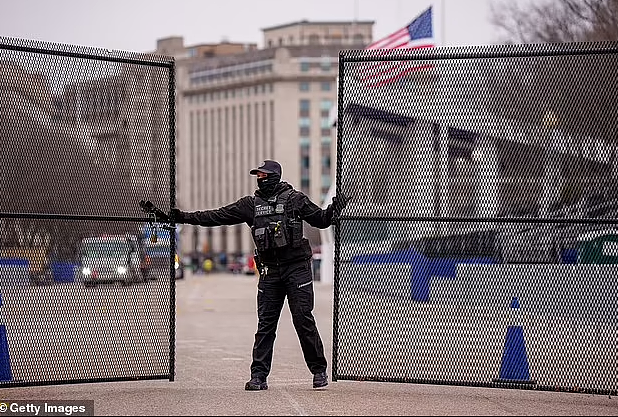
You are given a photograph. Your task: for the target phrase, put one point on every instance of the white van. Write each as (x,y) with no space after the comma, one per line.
(112,258)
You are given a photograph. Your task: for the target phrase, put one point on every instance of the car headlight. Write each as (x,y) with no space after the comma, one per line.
(176,265)
(121,270)
(86,271)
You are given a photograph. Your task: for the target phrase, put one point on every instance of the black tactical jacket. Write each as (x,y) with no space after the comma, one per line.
(242,211)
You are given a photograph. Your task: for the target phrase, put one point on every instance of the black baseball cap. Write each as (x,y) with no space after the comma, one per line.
(268,167)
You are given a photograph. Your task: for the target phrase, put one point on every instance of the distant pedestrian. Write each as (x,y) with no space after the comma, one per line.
(208,265)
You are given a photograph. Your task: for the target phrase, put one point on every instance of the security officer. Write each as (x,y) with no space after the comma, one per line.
(275,214)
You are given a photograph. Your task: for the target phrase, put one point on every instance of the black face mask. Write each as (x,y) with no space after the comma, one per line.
(267,185)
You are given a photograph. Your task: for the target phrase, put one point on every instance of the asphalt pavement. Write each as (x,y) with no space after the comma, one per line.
(215,326)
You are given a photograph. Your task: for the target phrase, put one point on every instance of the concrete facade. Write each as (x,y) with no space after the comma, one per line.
(236,109)
(319,33)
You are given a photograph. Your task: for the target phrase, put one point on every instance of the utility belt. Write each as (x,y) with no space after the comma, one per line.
(278,234)
(282,257)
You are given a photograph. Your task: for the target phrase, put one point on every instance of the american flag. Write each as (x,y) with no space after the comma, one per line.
(417,34)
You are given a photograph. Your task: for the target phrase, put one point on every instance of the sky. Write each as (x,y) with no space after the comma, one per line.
(135,25)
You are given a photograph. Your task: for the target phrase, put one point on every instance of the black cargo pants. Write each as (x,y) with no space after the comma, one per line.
(294,281)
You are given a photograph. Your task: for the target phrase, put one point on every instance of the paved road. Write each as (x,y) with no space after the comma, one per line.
(215,325)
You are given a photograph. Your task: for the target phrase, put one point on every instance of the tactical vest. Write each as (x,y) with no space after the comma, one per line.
(274,223)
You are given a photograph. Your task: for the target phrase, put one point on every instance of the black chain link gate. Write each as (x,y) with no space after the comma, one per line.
(480,245)
(86,134)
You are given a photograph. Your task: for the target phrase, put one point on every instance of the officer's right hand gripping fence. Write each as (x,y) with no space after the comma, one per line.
(481,247)
(86,296)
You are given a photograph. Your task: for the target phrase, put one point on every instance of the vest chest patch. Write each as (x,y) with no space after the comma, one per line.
(272,227)
(263,210)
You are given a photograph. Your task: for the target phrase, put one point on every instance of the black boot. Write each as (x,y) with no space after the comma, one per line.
(256,384)
(320,380)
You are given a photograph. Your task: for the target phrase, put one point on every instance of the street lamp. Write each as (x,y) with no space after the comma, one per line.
(550,121)
(551,183)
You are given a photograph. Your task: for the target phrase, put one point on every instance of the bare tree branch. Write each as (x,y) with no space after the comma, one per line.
(550,21)
(582,89)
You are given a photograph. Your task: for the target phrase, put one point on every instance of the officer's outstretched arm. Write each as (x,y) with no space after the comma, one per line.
(148,207)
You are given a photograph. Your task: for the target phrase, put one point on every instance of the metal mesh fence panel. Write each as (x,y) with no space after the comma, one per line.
(480,245)
(86,294)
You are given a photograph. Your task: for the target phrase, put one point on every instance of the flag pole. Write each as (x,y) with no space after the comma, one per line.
(354,19)
(442,22)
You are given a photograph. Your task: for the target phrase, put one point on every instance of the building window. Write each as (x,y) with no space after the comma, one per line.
(304,66)
(359,39)
(323,195)
(235,147)
(314,39)
(325,104)
(336,39)
(325,122)
(304,131)
(304,86)
(326,181)
(192,164)
(326,140)
(326,164)
(241,136)
(304,104)
(225,146)
(270,43)
(256,127)
(304,121)
(304,112)
(325,64)
(271,106)
(325,86)
(305,152)
(305,141)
